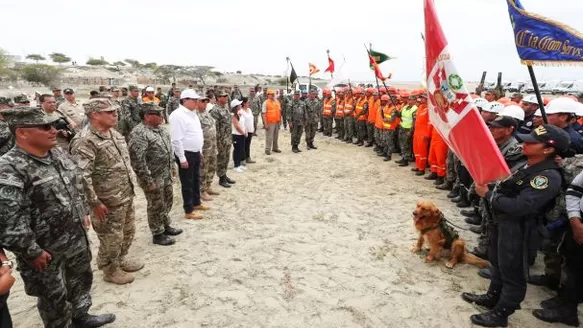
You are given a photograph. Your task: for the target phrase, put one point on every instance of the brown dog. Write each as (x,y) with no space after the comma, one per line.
(442,239)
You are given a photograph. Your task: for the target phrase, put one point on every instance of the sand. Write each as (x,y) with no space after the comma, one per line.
(317,239)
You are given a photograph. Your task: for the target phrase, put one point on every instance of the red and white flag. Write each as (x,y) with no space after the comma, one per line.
(452,112)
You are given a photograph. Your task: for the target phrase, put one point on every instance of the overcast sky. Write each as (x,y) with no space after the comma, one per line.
(256,36)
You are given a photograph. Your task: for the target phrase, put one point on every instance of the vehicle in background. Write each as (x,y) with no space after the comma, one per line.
(489,86)
(516,86)
(576,88)
(562,87)
(549,86)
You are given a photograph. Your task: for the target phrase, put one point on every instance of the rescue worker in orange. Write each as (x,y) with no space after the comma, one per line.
(391,121)
(378,123)
(421,134)
(437,153)
(361,116)
(373,103)
(327,112)
(349,116)
(407,115)
(149,96)
(339,114)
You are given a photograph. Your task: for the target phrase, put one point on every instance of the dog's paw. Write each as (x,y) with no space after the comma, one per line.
(429,259)
(449,265)
(415,249)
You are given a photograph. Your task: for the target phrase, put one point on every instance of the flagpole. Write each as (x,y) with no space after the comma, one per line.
(375,75)
(539,98)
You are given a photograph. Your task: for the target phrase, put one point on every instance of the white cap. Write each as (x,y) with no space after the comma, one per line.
(189,93)
(493,107)
(561,105)
(531,99)
(149,89)
(513,111)
(480,102)
(235,102)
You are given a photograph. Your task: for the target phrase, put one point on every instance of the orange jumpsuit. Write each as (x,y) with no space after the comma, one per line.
(437,153)
(421,137)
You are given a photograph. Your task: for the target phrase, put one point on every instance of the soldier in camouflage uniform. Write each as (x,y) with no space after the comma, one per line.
(236,94)
(209,150)
(313,112)
(6,136)
(359,115)
(284,102)
(161,97)
(256,103)
(220,112)
(130,111)
(43,221)
(103,157)
(297,117)
(173,103)
(339,115)
(153,162)
(349,121)
(57,93)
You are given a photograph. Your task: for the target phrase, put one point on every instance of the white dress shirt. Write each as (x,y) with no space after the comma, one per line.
(241,123)
(185,132)
(249,124)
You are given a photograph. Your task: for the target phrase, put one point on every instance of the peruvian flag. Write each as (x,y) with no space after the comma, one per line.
(452,112)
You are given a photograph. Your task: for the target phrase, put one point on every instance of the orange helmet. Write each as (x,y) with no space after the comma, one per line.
(385,98)
(405,94)
(327,92)
(393,90)
(383,90)
(370,90)
(504,101)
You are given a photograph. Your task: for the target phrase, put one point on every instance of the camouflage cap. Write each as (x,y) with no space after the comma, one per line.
(147,108)
(20,99)
(6,101)
(133,87)
(104,95)
(27,116)
(96,105)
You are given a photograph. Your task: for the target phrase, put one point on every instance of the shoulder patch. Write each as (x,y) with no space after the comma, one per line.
(539,182)
(13,183)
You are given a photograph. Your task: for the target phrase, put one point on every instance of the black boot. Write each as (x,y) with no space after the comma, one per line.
(487,300)
(229,180)
(387,158)
(420,173)
(414,169)
(369,144)
(438,181)
(93,321)
(464,202)
(447,185)
(493,318)
(563,314)
(295,149)
(400,161)
(456,199)
(476,229)
(475,220)
(163,240)
(223,183)
(312,146)
(431,176)
(544,280)
(455,191)
(380,153)
(469,213)
(480,252)
(308,146)
(404,163)
(485,273)
(169,231)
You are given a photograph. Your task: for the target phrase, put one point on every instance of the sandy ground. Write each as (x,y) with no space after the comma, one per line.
(317,239)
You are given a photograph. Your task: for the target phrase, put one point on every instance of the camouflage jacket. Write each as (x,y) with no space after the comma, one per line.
(223,122)
(173,103)
(130,114)
(256,104)
(6,138)
(209,132)
(105,161)
(512,152)
(313,109)
(59,100)
(297,114)
(163,100)
(42,205)
(571,167)
(151,154)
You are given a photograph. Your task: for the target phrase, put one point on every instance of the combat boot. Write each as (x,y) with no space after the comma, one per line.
(463,202)
(487,300)
(485,273)
(169,231)
(93,321)
(403,163)
(399,161)
(455,191)
(162,240)
(381,154)
(312,146)
(369,144)
(414,169)
(113,274)
(552,303)
(295,149)
(431,176)
(131,265)
(470,213)
(387,158)
(566,314)
(476,229)
(447,185)
(420,173)
(493,318)
(308,146)
(438,181)
(474,220)
(544,280)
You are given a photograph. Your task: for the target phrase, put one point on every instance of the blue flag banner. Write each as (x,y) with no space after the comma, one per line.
(543,41)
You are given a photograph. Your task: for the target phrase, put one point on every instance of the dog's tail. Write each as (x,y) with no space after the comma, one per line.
(470,258)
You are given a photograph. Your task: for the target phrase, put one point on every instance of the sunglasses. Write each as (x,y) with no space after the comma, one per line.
(155,113)
(42,127)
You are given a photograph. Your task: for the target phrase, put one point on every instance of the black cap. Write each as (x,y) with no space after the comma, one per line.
(503,122)
(68,90)
(548,134)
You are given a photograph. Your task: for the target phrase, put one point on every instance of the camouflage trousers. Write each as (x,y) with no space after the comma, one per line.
(377,137)
(361,130)
(405,144)
(311,129)
(370,132)
(349,125)
(339,126)
(296,134)
(255,121)
(388,144)
(159,206)
(116,233)
(552,258)
(451,166)
(487,224)
(63,290)
(223,155)
(327,125)
(207,171)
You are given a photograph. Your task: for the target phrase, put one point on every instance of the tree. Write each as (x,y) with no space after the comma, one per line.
(239,72)
(199,72)
(133,62)
(4,63)
(96,62)
(150,66)
(59,58)
(40,73)
(35,57)
(119,63)
(168,72)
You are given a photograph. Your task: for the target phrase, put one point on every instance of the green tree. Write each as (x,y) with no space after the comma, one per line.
(59,58)
(97,62)
(4,64)
(35,57)
(134,63)
(41,73)
(167,73)
(150,65)
(119,63)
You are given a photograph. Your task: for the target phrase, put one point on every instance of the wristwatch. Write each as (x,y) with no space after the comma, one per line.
(7,263)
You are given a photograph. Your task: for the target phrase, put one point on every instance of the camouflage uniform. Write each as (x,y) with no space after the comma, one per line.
(327,121)
(42,208)
(256,104)
(209,150)
(313,112)
(284,102)
(349,123)
(130,115)
(297,116)
(153,162)
(163,100)
(223,122)
(172,105)
(59,100)
(388,135)
(6,138)
(361,124)
(108,180)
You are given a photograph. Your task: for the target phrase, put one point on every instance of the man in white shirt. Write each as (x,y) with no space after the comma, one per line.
(187,142)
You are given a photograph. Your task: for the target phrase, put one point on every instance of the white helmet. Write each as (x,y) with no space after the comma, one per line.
(578,108)
(531,99)
(480,102)
(562,105)
(513,111)
(538,113)
(493,107)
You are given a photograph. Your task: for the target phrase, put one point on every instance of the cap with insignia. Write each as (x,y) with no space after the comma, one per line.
(68,91)
(297,92)
(147,108)
(548,134)
(27,117)
(503,122)
(222,94)
(96,105)
(6,101)
(21,99)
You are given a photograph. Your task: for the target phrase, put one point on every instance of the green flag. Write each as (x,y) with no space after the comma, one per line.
(379,57)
